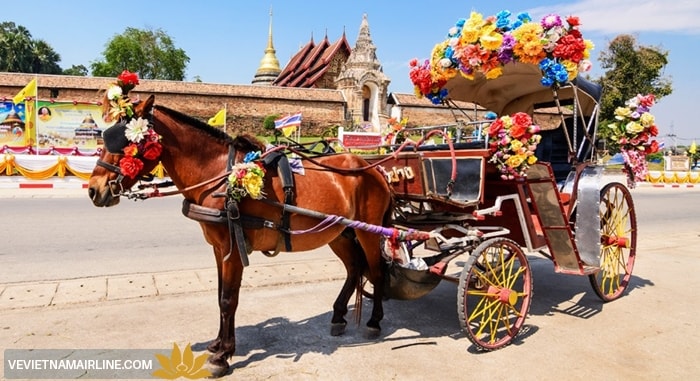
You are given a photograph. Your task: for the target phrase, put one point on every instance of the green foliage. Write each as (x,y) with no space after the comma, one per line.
(269,122)
(150,53)
(20,53)
(269,125)
(656,156)
(631,70)
(77,70)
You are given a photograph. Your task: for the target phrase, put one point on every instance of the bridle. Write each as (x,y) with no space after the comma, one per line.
(116,188)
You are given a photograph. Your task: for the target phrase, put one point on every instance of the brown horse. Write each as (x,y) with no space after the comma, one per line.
(195,157)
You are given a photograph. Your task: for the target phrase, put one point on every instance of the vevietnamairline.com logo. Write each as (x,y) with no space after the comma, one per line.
(104,364)
(182,364)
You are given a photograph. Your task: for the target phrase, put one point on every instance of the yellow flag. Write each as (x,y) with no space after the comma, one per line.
(219,119)
(288,131)
(693,148)
(26,92)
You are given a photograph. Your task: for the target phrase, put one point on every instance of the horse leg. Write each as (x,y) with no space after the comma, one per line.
(370,246)
(231,276)
(215,344)
(345,248)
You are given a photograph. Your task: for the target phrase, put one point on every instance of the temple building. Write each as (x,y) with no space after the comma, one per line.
(355,72)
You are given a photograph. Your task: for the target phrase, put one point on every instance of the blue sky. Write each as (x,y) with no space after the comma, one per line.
(225,39)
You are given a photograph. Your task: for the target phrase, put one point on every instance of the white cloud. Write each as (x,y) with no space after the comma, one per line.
(629,16)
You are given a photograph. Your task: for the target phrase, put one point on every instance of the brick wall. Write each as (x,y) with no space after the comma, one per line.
(247,105)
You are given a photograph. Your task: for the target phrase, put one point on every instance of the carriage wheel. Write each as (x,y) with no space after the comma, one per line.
(494,297)
(618,223)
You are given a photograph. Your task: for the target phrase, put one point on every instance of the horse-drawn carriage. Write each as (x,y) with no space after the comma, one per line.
(399,219)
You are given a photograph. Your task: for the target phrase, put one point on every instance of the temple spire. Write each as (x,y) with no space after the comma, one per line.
(269,67)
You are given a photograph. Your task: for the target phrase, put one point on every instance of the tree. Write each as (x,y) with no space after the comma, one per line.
(269,125)
(150,53)
(20,53)
(631,70)
(45,59)
(77,70)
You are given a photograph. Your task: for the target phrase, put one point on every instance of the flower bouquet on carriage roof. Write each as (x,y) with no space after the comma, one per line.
(497,62)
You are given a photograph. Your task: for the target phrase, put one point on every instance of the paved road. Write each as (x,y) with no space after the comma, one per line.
(649,334)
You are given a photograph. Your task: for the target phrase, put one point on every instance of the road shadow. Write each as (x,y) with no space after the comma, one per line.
(573,295)
(420,322)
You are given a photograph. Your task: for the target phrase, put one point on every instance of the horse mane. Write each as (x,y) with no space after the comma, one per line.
(196,123)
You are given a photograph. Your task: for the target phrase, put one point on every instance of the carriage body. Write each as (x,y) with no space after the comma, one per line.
(563,208)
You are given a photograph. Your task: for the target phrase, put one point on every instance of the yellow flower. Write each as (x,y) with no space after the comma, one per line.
(622,113)
(253,184)
(647,119)
(490,39)
(634,128)
(494,73)
(514,161)
(589,46)
(571,68)
(532,159)
(516,145)
(181,364)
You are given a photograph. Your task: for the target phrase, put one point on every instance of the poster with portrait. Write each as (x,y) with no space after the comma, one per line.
(69,125)
(16,130)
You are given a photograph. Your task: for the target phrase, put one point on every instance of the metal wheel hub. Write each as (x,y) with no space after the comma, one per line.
(503,295)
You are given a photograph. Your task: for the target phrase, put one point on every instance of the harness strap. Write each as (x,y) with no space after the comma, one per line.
(204,214)
(234,221)
(236,235)
(284,170)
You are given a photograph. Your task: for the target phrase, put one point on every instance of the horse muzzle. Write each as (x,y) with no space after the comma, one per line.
(104,195)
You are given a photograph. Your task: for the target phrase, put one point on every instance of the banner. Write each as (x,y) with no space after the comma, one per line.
(69,125)
(16,130)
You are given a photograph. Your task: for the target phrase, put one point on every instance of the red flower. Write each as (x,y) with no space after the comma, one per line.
(128,78)
(495,127)
(130,166)
(152,150)
(570,48)
(652,148)
(653,130)
(573,21)
(647,100)
(131,150)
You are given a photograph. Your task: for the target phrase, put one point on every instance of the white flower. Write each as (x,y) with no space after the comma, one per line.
(114,92)
(135,129)
(445,62)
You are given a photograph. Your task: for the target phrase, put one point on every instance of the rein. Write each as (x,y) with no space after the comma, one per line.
(138,195)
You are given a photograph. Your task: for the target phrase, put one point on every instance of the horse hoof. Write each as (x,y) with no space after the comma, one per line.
(213,347)
(373,333)
(217,367)
(338,329)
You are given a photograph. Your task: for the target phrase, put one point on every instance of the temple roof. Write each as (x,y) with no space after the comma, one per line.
(311,62)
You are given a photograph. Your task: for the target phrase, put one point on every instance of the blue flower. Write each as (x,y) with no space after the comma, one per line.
(251,156)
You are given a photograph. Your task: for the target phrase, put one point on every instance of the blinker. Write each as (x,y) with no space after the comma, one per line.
(115,138)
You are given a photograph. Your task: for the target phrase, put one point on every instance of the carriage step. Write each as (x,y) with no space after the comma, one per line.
(438,268)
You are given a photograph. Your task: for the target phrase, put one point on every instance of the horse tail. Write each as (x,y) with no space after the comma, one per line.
(358,295)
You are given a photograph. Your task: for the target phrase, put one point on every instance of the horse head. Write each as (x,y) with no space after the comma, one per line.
(131,151)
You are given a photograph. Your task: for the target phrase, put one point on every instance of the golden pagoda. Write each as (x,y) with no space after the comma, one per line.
(269,65)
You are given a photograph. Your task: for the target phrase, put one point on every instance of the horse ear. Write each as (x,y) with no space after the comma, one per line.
(144,107)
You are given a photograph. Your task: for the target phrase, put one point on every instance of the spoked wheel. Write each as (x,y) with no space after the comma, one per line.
(618,223)
(495,291)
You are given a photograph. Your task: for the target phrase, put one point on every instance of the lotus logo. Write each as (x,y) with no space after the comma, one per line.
(182,364)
